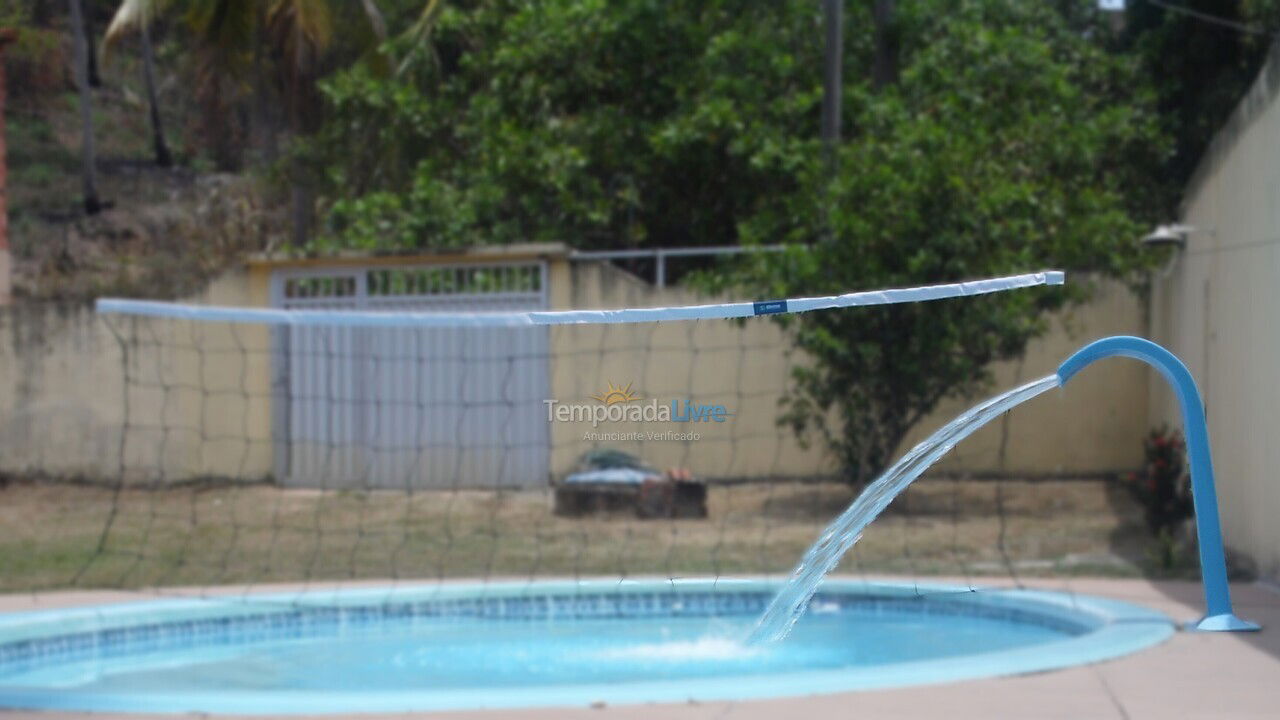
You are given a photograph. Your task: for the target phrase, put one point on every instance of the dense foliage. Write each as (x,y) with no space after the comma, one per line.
(1198,69)
(1013,140)
(597,123)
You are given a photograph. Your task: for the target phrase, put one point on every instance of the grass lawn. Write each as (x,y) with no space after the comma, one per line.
(64,535)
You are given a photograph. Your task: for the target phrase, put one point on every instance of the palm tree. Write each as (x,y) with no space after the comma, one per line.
(163,158)
(301,30)
(141,14)
(220,31)
(88,170)
(228,35)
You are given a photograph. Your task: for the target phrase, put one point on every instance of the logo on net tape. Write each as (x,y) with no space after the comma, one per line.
(770,307)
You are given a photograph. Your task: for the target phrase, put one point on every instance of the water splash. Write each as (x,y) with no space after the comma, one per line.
(791,602)
(705,648)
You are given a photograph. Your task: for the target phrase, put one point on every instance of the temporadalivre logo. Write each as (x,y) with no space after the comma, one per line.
(621,403)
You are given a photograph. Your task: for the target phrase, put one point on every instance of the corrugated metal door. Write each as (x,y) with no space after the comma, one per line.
(412,407)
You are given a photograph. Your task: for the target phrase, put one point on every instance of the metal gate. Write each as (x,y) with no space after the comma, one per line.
(412,407)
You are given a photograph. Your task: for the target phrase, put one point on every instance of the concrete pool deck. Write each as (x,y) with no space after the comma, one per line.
(1193,675)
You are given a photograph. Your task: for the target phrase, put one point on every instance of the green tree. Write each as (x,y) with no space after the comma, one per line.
(576,120)
(286,40)
(1010,142)
(998,136)
(1199,65)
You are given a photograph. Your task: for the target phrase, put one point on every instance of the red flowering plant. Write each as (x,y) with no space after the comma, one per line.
(1164,487)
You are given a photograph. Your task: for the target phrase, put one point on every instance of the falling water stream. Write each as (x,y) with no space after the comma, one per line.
(845,530)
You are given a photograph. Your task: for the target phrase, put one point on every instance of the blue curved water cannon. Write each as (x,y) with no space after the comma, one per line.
(1219,616)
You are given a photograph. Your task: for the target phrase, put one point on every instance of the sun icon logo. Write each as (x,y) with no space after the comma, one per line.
(616,394)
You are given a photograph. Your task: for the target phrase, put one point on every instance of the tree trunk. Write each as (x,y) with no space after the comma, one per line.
(304,108)
(299,121)
(885,70)
(832,83)
(301,214)
(81,72)
(264,114)
(91,58)
(163,157)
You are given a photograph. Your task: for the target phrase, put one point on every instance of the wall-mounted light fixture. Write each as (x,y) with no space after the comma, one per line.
(1171,235)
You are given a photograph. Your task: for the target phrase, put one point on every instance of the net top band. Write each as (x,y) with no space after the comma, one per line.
(365,318)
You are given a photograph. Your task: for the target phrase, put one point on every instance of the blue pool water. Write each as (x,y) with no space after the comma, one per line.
(540,644)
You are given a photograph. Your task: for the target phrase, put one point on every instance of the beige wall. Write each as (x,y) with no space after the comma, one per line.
(60,392)
(1217,306)
(1094,425)
(198,396)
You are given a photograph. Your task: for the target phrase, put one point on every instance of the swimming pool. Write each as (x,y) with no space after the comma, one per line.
(504,645)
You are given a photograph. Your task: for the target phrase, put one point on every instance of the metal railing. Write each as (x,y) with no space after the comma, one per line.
(660,255)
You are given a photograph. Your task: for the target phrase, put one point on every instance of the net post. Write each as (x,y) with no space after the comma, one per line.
(1219,615)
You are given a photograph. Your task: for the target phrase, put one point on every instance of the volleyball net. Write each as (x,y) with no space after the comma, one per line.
(316,444)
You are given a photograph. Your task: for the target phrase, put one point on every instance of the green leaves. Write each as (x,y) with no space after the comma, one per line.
(1013,141)
(602,124)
